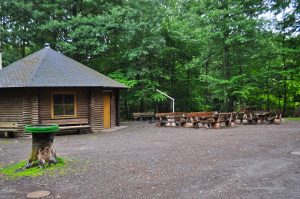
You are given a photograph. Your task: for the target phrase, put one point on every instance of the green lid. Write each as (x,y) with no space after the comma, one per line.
(42,128)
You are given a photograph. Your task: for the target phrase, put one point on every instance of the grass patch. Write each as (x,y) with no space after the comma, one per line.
(16,170)
(293,118)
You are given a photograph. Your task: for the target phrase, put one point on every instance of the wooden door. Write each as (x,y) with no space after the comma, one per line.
(106,111)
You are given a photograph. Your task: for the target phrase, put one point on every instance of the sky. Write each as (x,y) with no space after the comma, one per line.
(278,17)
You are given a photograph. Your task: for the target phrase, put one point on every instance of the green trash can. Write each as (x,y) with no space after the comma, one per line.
(42,144)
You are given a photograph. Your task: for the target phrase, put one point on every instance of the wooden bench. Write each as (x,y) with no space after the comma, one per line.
(274,117)
(262,116)
(169,119)
(143,115)
(69,124)
(257,117)
(250,117)
(9,128)
(201,119)
(171,114)
(226,118)
(239,117)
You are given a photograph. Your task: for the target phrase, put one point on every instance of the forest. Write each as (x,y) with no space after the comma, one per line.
(209,55)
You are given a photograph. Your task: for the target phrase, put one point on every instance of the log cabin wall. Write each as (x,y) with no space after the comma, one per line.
(19,106)
(35,107)
(30,106)
(113,110)
(11,101)
(97,109)
(117,96)
(10,105)
(82,102)
(96,116)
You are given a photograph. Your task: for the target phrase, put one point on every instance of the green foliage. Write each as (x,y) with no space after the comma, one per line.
(208,55)
(17,170)
(120,77)
(293,119)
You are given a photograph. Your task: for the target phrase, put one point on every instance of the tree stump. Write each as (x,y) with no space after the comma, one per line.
(43,150)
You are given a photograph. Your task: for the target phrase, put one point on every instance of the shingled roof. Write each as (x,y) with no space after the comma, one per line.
(49,68)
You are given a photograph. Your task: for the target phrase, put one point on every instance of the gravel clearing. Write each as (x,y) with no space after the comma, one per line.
(144,161)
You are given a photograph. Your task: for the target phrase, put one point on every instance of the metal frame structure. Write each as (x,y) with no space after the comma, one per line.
(173,100)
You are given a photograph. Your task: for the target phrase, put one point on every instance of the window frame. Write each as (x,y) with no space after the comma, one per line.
(63,116)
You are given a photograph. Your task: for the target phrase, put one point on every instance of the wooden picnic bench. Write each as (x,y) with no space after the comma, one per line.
(215,119)
(262,116)
(239,116)
(258,117)
(274,118)
(143,116)
(195,119)
(8,128)
(70,124)
(225,119)
(249,117)
(201,119)
(169,119)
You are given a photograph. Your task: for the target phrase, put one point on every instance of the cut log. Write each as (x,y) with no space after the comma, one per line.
(245,121)
(216,125)
(200,125)
(276,121)
(42,151)
(238,121)
(189,125)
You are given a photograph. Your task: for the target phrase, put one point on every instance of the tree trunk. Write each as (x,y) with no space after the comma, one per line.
(294,103)
(142,105)
(285,79)
(173,74)
(226,62)
(206,84)
(126,109)
(279,104)
(42,150)
(268,97)
(226,68)
(268,89)
(187,108)
(284,99)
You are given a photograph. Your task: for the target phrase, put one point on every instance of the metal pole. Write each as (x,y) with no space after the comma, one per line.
(173,100)
(173,105)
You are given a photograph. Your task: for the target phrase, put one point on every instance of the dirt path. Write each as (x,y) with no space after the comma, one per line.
(144,161)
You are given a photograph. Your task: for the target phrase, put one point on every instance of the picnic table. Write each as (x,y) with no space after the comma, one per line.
(215,119)
(258,117)
(169,119)
(143,116)
(195,119)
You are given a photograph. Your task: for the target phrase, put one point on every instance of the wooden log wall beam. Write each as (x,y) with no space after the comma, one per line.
(117,107)
(96,116)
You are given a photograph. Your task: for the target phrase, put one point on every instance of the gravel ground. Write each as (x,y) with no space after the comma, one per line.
(143,161)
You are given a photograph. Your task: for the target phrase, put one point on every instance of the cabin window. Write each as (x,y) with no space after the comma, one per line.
(63,105)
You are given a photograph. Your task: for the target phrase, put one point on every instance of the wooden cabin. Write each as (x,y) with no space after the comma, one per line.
(47,87)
